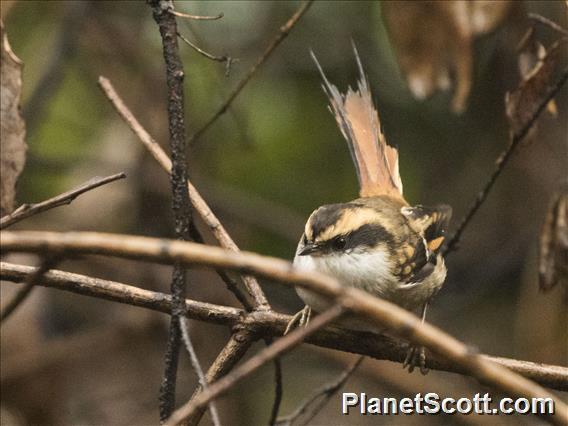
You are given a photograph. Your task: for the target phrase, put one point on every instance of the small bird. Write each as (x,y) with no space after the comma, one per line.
(378,242)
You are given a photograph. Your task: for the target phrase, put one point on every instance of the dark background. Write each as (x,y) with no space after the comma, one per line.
(264,166)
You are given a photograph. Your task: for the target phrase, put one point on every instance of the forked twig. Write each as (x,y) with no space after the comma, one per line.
(227,59)
(270,323)
(375,310)
(199,204)
(324,394)
(282,33)
(27,210)
(269,353)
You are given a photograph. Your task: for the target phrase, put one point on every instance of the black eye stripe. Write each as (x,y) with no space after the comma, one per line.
(369,235)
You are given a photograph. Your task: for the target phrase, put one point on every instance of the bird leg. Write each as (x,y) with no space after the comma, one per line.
(301,319)
(416,356)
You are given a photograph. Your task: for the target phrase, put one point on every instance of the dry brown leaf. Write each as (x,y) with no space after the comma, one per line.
(553,249)
(522,103)
(433,42)
(12,126)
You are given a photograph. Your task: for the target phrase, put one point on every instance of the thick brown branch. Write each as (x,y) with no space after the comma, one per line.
(265,324)
(282,33)
(27,210)
(375,310)
(199,204)
(269,353)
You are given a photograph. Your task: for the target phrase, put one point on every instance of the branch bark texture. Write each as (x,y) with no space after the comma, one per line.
(377,311)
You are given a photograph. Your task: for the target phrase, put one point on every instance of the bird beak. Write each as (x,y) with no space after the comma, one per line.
(309,249)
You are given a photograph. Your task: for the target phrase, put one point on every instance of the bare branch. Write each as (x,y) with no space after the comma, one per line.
(282,34)
(265,324)
(269,353)
(180,200)
(237,346)
(502,161)
(195,17)
(27,210)
(547,22)
(30,282)
(324,394)
(377,311)
(278,388)
(197,368)
(227,59)
(199,204)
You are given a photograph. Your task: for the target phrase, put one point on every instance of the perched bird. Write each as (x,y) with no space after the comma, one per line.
(378,242)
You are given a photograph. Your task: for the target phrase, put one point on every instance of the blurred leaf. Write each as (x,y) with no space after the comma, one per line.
(522,103)
(433,42)
(13,128)
(553,253)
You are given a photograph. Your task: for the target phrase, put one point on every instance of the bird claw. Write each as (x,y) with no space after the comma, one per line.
(416,357)
(301,319)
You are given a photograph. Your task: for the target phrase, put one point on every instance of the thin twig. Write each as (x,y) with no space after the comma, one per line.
(31,281)
(227,59)
(547,22)
(269,353)
(237,346)
(282,33)
(197,368)
(196,17)
(199,204)
(324,394)
(278,388)
(27,210)
(231,284)
(180,200)
(264,324)
(502,161)
(378,312)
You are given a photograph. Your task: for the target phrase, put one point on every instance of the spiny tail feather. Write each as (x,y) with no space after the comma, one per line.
(376,162)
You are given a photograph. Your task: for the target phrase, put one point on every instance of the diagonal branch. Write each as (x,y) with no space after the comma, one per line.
(280,36)
(502,161)
(377,311)
(269,353)
(324,394)
(199,204)
(30,282)
(265,324)
(197,368)
(227,59)
(237,346)
(27,210)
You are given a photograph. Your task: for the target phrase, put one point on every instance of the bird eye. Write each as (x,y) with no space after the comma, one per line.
(339,243)
(305,240)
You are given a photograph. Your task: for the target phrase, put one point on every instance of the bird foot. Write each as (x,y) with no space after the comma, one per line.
(416,357)
(301,319)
